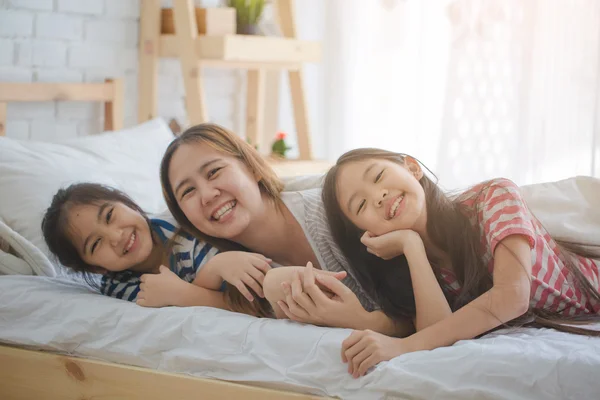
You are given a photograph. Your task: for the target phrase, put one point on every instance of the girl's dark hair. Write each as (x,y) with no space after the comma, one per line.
(450,229)
(228,143)
(55,224)
(55,227)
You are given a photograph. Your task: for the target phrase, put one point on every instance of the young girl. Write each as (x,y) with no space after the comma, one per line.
(493,259)
(93,228)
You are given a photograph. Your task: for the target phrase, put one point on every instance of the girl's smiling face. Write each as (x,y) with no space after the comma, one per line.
(110,235)
(380,196)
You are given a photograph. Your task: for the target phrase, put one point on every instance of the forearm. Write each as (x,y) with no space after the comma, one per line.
(378,321)
(208,277)
(193,295)
(488,311)
(272,286)
(430,302)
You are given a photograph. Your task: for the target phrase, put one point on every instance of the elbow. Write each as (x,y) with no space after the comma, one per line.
(517,299)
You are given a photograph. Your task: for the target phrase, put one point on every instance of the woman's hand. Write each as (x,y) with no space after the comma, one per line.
(306,302)
(391,244)
(364,349)
(242,270)
(160,290)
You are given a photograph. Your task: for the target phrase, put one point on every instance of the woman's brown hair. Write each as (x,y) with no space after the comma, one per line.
(450,229)
(228,143)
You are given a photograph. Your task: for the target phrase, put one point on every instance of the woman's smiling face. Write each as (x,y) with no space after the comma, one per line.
(217,193)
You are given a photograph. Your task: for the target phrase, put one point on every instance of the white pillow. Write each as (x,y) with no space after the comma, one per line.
(31,172)
(304,182)
(568,209)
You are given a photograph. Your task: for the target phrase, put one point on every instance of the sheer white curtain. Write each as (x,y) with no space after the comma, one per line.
(476,89)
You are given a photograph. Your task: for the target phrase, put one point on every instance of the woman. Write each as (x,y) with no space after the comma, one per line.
(222,191)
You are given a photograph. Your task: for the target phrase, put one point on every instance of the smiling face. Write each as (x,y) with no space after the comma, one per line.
(380,196)
(111,236)
(217,192)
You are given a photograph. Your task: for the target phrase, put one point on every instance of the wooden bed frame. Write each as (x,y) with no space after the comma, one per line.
(111,93)
(31,374)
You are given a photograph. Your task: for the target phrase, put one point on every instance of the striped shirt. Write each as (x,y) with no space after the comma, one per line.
(502,212)
(188,255)
(308,209)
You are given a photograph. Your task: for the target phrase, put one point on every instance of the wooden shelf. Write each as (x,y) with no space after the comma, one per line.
(291,168)
(254,53)
(247,50)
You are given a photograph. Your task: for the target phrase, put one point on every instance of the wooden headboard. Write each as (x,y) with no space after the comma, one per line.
(110,92)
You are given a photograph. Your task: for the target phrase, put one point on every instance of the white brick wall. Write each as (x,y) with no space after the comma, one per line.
(89,41)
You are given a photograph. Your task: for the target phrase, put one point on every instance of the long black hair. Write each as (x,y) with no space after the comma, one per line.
(450,228)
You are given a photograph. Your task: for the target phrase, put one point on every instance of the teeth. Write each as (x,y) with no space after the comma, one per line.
(224,210)
(129,244)
(395,206)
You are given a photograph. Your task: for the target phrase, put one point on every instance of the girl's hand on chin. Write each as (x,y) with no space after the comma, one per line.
(159,290)
(391,244)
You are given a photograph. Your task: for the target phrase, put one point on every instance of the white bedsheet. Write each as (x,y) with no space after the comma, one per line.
(61,316)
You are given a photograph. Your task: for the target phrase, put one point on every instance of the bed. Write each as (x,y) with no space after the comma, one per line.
(61,340)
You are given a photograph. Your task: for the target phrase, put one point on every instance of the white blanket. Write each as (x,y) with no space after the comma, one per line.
(62,316)
(18,256)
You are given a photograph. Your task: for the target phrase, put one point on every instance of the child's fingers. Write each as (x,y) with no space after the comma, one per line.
(366,364)
(358,360)
(299,295)
(350,341)
(366,237)
(261,257)
(257,273)
(261,263)
(162,269)
(309,276)
(286,310)
(251,283)
(244,291)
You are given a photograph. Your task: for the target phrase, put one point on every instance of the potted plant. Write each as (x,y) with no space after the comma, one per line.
(248,13)
(279,147)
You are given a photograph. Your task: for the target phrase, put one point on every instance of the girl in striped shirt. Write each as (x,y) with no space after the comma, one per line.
(95,229)
(474,262)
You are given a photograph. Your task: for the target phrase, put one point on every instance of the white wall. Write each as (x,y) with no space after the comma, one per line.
(88,41)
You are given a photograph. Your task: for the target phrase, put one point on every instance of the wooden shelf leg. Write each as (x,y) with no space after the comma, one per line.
(186,32)
(113,110)
(255,106)
(2,119)
(148,60)
(300,114)
(285,11)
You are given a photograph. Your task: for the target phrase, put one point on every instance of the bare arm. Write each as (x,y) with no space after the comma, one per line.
(208,277)
(168,289)
(507,300)
(431,304)
(194,295)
